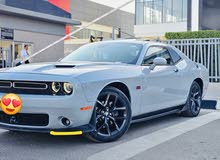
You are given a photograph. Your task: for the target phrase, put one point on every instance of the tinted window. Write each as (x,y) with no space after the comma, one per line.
(107,52)
(175,56)
(154,52)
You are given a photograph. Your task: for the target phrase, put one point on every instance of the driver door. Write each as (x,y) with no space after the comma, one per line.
(161,84)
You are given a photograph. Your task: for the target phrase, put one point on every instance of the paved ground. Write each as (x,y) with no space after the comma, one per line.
(200,144)
(28,146)
(168,138)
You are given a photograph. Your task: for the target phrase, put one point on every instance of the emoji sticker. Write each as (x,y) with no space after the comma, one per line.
(11,104)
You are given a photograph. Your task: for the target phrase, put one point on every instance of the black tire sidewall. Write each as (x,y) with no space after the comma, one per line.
(189,111)
(98,138)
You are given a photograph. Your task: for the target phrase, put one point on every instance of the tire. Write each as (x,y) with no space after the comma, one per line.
(193,104)
(113,115)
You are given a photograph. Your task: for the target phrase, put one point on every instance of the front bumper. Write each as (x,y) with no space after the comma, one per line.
(56,107)
(84,129)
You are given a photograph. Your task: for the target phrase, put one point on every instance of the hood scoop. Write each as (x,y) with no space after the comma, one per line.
(65,66)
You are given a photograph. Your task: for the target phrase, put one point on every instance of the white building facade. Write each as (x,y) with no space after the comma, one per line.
(153,18)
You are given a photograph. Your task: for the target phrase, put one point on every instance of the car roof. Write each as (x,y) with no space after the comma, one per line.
(151,43)
(134,41)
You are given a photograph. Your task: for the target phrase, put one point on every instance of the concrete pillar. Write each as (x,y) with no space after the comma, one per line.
(195,15)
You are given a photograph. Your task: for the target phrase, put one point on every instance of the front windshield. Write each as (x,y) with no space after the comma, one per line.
(107,52)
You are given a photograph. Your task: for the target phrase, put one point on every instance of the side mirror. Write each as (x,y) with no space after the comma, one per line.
(158,61)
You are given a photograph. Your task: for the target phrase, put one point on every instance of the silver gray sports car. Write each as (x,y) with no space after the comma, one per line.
(100,89)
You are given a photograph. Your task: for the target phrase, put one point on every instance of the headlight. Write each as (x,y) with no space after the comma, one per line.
(68,88)
(56,86)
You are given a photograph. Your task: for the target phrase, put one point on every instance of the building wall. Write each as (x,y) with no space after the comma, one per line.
(201,15)
(209,15)
(85,10)
(42,6)
(14,22)
(157,30)
(2,1)
(154,18)
(39,33)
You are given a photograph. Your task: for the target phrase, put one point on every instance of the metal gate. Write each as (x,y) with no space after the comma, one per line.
(205,51)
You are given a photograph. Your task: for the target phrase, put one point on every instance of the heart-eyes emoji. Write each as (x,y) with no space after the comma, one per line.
(11,104)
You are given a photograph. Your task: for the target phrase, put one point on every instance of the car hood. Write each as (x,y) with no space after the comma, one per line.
(61,68)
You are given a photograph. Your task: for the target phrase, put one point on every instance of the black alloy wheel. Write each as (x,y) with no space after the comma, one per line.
(113,115)
(194,101)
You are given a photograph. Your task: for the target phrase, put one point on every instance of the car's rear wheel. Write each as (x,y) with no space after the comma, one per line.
(112,115)
(194,101)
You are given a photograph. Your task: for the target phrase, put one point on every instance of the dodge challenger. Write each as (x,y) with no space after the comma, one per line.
(100,89)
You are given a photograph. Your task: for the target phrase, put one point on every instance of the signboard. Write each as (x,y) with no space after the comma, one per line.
(7,34)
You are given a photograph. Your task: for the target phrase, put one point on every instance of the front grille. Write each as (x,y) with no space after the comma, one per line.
(30,85)
(25,119)
(26,87)
(5,84)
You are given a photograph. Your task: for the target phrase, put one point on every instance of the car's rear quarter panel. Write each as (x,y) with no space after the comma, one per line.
(192,72)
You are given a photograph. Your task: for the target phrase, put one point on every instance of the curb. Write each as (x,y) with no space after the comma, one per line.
(210,104)
(218,105)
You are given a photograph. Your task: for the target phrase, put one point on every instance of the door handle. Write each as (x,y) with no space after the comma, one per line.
(176,70)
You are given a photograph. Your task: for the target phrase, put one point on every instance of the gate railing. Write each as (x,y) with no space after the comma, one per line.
(205,51)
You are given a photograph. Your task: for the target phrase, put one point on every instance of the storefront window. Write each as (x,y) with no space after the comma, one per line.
(6,55)
(18,47)
(10,52)
(160,11)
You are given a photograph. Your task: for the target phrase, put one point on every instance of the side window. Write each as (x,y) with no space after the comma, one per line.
(175,56)
(154,52)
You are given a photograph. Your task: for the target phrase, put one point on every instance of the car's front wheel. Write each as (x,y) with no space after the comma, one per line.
(112,115)
(194,101)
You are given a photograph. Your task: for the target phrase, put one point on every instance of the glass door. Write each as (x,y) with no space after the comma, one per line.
(6,50)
